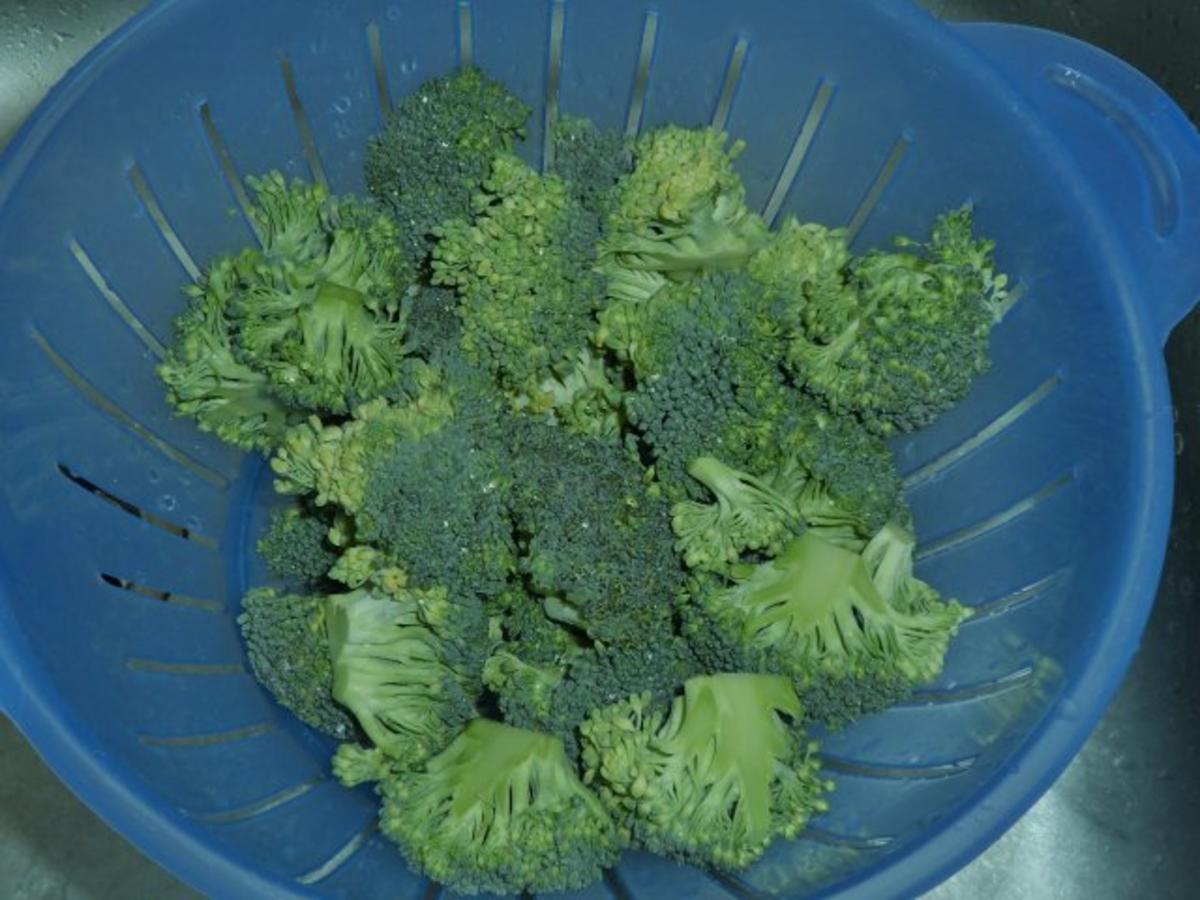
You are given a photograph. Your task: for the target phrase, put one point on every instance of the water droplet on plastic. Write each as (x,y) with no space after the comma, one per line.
(340,129)
(342,105)
(192,523)
(408,66)
(166,502)
(154,475)
(394,13)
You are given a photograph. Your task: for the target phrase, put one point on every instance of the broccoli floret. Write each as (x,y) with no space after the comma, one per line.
(318,310)
(815,613)
(707,374)
(296,545)
(802,263)
(289,655)
(438,504)
(583,396)
(591,160)
(523,268)
(903,338)
(408,665)
(433,328)
(207,382)
(596,545)
(547,680)
(681,210)
(856,466)
(714,780)
(501,810)
(750,514)
(436,149)
(311,321)
(354,764)
(525,691)
(330,462)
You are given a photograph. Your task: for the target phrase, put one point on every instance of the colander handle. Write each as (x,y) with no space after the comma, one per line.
(1132,142)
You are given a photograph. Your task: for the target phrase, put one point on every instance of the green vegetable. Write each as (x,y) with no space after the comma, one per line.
(894,338)
(827,615)
(522,265)
(501,810)
(289,655)
(595,510)
(407,665)
(311,321)
(436,149)
(714,779)
(296,546)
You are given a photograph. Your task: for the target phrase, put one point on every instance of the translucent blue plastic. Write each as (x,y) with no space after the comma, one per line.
(1044,500)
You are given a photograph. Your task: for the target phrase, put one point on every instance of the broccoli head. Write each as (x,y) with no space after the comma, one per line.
(707,374)
(296,545)
(439,505)
(750,514)
(713,780)
(436,149)
(354,764)
(318,309)
(816,613)
(289,655)
(903,338)
(583,395)
(681,210)
(591,161)
(595,543)
(855,465)
(522,266)
(408,665)
(500,810)
(546,678)
(207,381)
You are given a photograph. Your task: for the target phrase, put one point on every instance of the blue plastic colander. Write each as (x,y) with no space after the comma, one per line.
(1043,501)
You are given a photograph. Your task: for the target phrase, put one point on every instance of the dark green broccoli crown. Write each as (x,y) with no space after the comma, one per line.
(438,504)
(713,778)
(289,655)
(434,329)
(855,464)
(296,545)
(500,810)
(596,544)
(436,150)
(550,680)
(707,372)
(591,160)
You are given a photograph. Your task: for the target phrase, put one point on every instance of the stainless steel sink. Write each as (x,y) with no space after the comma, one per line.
(1122,822)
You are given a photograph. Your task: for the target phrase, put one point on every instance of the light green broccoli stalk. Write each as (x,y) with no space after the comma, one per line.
(815,613)
(501,810)
(407,665)
(716,779)
(749,514)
